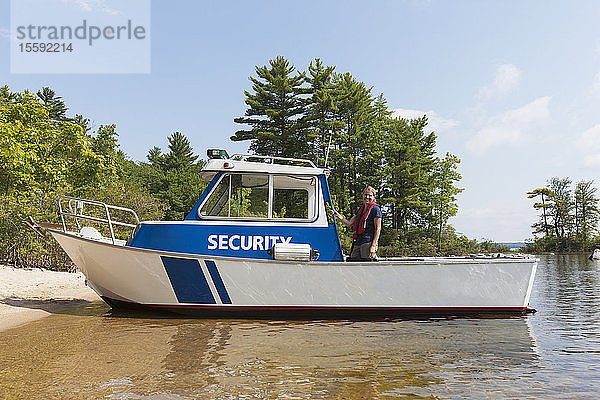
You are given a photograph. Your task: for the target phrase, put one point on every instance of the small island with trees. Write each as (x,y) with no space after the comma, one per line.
(568,220)
(317,114)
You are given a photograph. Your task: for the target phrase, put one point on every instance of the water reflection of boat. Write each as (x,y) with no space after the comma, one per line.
(266,359)
(259,242)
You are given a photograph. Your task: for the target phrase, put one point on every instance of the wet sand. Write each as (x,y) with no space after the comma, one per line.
(30,294)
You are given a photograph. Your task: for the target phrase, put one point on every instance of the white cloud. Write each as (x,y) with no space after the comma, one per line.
(590,138)
(510,127)
(111,11)
(435,122)
(506,80)
(92,5)
(85,5)
(589,146)
(501,222)
(4,33)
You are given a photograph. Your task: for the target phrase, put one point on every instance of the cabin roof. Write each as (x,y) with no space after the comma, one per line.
(259,164)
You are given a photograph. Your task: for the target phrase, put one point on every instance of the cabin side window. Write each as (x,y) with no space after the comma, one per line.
(249,196)
(293,197)
(239,195)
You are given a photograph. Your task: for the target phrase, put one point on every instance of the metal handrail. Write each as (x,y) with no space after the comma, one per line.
(273,159)
(75,210)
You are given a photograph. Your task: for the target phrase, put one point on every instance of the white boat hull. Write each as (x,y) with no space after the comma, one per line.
(126,276)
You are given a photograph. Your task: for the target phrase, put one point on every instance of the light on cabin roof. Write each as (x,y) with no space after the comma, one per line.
(217,153)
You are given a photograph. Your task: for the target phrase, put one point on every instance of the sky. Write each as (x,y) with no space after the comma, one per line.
(510,87)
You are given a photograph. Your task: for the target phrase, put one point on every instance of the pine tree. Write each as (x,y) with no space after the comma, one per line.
(320,110)
(181,154)
(445,201)
(156,158)
(409,165)
(354,109)
(57,110)
(542,225)
(587,212)
(561,205)
(276,111)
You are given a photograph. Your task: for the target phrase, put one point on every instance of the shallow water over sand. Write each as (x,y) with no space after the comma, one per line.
(89,353)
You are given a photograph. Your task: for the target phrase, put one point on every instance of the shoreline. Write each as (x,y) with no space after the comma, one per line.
(27,295)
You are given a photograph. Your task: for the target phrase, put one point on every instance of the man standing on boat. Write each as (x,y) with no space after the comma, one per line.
(366,225)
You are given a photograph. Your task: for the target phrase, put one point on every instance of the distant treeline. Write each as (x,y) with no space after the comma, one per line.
(568,219)
(45,153)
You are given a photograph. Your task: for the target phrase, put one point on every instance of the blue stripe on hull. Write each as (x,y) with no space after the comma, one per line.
(188,280)
(216,278)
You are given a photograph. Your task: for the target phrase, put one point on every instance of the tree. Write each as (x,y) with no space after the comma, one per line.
(6,96)
(181,154)
(83,122)
(409,166)
(445,174)
(587,212)
(57,109)
(276,111)
(355,111)
(543,225)
(41,158)
(320,110)
(173,177)
(36,152)
(156,157)
(295,114)
(561,205)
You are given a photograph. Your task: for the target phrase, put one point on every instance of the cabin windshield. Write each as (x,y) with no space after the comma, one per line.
(261,196)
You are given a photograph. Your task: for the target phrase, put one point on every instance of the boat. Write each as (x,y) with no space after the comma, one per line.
(261,242)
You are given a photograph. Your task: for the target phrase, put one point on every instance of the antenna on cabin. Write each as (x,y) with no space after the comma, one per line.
(327,154)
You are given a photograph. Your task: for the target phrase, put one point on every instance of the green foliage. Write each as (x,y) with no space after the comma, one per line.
(42,155)
(36,152)
(57,109)
(316,114)
(19,245)
(417,191)
(409,168)
(320,110)
(444,192)
(587,212)
(568,219)
(275,111)
(541,226)
(45,154)
(173,177)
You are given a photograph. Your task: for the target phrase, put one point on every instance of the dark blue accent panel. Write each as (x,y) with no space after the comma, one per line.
(216,278)
(188,280)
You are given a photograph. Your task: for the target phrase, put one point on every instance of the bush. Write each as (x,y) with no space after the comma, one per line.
(20,246)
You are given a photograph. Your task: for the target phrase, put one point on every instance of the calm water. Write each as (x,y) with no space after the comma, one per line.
(87,353)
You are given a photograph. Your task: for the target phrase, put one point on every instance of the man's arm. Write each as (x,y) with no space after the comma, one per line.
(374,245)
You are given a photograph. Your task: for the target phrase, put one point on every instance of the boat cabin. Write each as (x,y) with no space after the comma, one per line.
(253,207)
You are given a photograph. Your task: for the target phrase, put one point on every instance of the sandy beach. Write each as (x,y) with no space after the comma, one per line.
(30,294)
